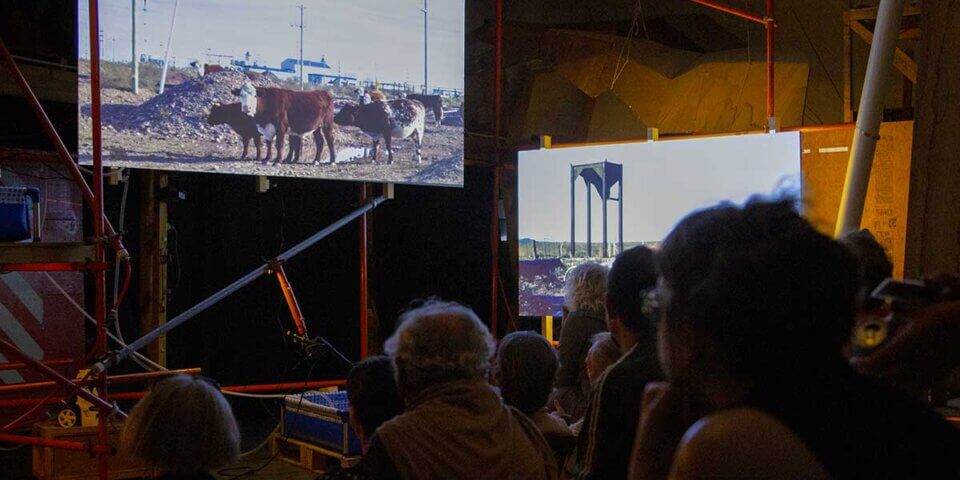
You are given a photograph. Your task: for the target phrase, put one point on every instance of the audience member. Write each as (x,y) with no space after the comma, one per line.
(182,429)
(525,368)
(610,423)
(603,353)
(873,265)
(374,398)
(756,307)
(584,293)
(454,425)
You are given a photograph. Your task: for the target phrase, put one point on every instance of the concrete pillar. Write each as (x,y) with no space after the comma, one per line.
(933,219)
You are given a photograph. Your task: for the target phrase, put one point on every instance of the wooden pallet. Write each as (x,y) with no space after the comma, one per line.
(307,455)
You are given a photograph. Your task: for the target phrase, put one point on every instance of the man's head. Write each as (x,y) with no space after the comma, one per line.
(526,366)
(874,266)
(438,343)
(374,398)
(603,353)
(633,272)
(754,291)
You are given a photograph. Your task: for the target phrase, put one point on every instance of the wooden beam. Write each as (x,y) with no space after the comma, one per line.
(152,261)
(901,61)
(46,252)
(871,12)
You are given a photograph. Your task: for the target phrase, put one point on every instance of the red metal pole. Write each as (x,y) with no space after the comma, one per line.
(273,387)
(769,26)
(102,449)
(364,301)
(113,380)
(99,276)
(50,363)
(495,210)
(53,267)
(54,137)
(732,11)
(14,353)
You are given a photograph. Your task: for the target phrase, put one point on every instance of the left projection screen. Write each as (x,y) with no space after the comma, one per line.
(234,74)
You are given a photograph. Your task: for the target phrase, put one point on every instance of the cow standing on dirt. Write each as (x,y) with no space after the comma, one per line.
(232,114)
(393,119)
(433,103)
(279,112)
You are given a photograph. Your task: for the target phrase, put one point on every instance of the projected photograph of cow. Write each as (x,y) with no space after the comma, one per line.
(362,90)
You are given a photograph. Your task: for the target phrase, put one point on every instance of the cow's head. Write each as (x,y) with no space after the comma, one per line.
(248,98)
(347,114)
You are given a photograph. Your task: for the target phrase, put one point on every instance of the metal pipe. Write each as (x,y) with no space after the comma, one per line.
(50,363)
(193,311)
(291,299)
(13,352)
(273,387)
(869,117)
(364,300)
(113,380)
(731,10)
(54,137)
(59,444)
(769,25)
(52,267)
(497,165)
(166,53)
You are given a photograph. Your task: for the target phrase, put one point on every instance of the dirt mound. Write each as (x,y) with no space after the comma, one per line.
(181,110)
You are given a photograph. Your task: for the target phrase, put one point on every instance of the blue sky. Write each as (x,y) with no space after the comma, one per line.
(664,181)
(380,39)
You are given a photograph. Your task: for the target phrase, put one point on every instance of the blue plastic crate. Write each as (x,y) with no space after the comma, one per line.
(321,418)
(19,207)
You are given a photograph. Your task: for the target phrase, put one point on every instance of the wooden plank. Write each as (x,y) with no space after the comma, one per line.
(901,61)
(55,464)
(871,13)
(824,166)
(152,266)
(46,252)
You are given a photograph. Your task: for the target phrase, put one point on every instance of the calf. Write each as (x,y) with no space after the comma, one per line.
(278,112)
(433,103)
(245,126)
(394,119)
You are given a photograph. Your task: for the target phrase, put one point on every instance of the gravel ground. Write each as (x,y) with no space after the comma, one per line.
(169,132)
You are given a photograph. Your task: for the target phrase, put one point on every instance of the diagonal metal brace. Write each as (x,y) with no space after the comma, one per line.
(267,267)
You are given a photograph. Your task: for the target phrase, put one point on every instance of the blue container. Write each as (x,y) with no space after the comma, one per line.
(321,418)
(19,211)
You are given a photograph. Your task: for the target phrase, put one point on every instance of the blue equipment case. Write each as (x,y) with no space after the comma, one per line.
(321,418)
(19,214)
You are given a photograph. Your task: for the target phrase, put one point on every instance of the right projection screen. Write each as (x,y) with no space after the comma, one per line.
(561,190)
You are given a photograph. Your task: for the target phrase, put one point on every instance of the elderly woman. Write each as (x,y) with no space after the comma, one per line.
(525,367)
(584,295)
(183,429)
(454,425)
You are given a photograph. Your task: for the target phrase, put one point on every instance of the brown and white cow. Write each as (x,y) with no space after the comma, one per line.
(279,112)
(232,114)
(433,103)
(393,119)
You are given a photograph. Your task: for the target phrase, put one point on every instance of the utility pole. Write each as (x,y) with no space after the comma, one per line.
(301,7)
(166,53)
(135,63)
(425,90)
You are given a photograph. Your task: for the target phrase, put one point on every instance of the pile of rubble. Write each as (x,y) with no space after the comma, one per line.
(181,111)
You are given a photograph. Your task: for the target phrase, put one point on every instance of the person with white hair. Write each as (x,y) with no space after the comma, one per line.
(182,429)
(455,425)
(584,294)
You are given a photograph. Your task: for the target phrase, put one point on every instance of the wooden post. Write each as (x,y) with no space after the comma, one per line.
(933,219)
(153,261)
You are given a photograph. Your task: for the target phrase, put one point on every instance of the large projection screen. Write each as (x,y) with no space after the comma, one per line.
(348,48)
(662,182)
